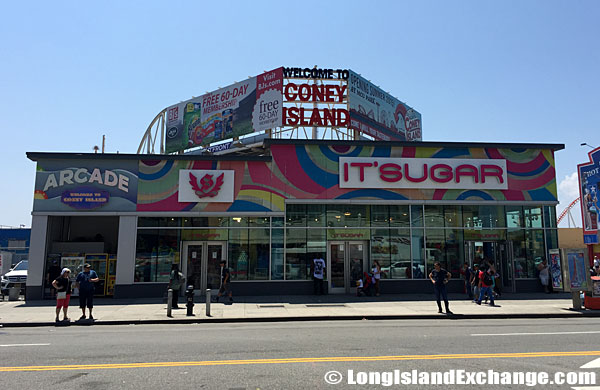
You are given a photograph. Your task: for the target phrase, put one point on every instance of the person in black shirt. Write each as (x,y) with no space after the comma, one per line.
(224,289)
(439,277)
(62,284)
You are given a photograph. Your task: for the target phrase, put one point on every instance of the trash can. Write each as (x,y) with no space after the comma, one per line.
(13,293)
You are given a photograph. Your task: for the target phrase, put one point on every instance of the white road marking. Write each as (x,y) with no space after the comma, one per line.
(23,345)
(593,364)
(586,388)
(532,334)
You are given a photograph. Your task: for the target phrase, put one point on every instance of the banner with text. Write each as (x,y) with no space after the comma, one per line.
(379,114)
(249,106)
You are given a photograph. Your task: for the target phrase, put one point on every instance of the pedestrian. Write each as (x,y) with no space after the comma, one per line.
(467,273)
(475,282)
(318,271)
(176,280)
(85,283)
(225,278)
(485,284)
(439,277)
(544,275)
(376,276)
(62,285)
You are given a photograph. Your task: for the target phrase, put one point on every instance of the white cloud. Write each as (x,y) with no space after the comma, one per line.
(568,191)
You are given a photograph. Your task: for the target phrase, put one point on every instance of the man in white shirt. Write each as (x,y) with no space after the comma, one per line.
(318,271)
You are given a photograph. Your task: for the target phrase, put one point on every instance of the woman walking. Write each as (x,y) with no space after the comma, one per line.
(376,276)
(62,284)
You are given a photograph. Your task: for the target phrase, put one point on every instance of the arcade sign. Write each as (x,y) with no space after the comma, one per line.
(376,172)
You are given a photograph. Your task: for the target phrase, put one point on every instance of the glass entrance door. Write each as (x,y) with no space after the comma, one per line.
(346,261)
(500,253)
(201,263)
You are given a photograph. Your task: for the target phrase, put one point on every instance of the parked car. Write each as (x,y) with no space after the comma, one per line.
(16,277)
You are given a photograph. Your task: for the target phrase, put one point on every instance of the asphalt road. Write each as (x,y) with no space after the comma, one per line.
(295,355)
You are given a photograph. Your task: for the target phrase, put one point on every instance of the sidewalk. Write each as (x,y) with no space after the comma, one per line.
(294,308)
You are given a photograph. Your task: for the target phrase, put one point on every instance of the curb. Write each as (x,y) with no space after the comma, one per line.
(573,314)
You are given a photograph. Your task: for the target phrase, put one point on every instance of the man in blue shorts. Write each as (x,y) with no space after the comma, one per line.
(85,283)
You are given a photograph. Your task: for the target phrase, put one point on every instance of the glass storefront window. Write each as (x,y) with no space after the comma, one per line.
(380,216)
(483,216)
(156,250)
(534,242)
(549,216)
(205,221)
(295,215)
(418,253)
(514,217)
(399,216)
(261,222)
(416,216)
(316,215)
(295,255)
(455,251)
(380,249)
(258,254)
(517,238)
(277,221)
(351,215)
(551,240)
(238,222)
(452,216)
(159,222)
(533,216)
(277,254)
(316,247)
(400,264)
(435,249)
(238,253)
(434,216)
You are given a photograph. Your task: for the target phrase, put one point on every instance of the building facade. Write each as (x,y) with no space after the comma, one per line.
(269,213)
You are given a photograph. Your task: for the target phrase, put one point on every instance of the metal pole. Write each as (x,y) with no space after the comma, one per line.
(169,302)
(208,302)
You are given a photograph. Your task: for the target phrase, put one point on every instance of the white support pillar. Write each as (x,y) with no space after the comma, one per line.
(126,250)
(37,251)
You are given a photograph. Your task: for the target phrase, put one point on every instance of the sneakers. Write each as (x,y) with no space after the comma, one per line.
(478,302)
(440,311)
(82,318)
(449,312)
(91,318)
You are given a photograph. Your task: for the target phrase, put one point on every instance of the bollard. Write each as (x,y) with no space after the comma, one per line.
(169,302)
(208,302)
(189,293)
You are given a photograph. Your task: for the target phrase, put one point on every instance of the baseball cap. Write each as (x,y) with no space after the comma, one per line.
(87,265)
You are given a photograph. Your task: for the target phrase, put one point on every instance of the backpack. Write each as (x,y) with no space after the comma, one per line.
(487,279)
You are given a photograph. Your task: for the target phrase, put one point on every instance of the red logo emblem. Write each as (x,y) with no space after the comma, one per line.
(208,187)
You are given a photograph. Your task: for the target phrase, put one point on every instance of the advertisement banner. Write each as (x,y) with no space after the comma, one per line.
(380,115)
(555,269)
(85,185)
(578,271)
(267,113)
(175,139)
(589,177)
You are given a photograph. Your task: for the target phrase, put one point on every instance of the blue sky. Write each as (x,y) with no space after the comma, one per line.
(480,71)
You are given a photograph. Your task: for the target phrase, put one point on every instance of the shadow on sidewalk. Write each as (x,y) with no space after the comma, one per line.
(303,299)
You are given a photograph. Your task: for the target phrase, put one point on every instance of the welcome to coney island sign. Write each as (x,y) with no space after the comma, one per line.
(291,97)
